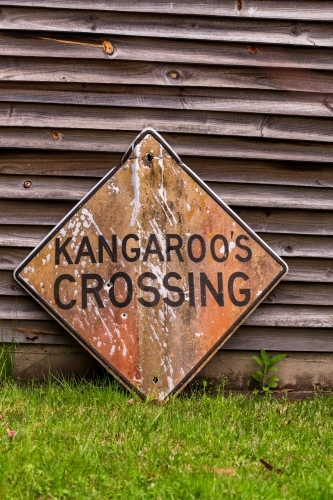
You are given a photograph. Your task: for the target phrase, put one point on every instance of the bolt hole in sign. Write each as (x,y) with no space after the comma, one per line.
(151,272)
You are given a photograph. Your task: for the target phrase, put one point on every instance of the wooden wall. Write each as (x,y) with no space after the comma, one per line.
(243,91)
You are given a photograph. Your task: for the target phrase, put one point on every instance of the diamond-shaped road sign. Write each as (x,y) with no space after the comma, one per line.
(151,272)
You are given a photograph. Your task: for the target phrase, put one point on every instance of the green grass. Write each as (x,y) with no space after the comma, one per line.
(85,441)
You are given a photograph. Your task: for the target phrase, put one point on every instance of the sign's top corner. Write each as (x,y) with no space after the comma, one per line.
(152,132)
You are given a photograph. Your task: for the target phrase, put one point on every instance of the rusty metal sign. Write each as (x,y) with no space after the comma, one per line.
(151,271)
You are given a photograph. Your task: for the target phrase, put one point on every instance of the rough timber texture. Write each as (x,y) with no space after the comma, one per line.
(242,89)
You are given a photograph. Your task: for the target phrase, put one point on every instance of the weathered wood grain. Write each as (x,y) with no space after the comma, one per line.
(258,195)
(291,316)
(266,315)
(96,165)
(46,213)
(42,187)
(22,236)
(8,285)
(39,362)
(299,245)
(248,338)
(320,10)
(34,332)
(190,98)
(252,195)
(311,294)
(244,339)
(135,48)
(311,270)
(64,164)
(35,213)
(300,371)
(166,120)
(184,144)
(11,257)
(284,221)
(29,69)
(22,308)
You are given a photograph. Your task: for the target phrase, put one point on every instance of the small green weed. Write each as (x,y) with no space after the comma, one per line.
(6,361)
(267,364)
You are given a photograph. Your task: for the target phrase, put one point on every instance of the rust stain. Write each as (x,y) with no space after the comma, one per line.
(253,49)
(151,271)
(55,135)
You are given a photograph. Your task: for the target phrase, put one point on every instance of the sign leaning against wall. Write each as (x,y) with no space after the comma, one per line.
(151,272)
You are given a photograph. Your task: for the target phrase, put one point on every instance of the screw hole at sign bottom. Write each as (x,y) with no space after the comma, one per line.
(155,380)
(149,157)
(124,315)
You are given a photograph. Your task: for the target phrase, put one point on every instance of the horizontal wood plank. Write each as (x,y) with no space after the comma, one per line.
(244,339)
(68,164)
(172,121)
(42,187)
(299,245)
(15,308)
(283,221)
(134,48)
(22,236)
(310,372)
(316,294)
(310,270)
(11,257)
(46,213)
(311,294)
(283,244)
(294,316)
(248,338)
(291,316)
(29,69)
(96,165)
(258,195)
(184,144)
(34,332)
(190,98)
(300,269)
(252,195)
(320,10)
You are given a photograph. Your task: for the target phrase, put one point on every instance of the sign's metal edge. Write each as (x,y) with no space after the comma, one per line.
(220,202)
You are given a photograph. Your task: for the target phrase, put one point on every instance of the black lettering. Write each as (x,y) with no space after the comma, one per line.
(112,252)
(176,247)
(129,286)
(248,250)
(149,289)
(135,251)
(157,250)
(205,283)
(190,250)
(82,252)
(62,250)
(172,288)
(225,246)
(93,290)
(57,283)
(191,289)
(242,291)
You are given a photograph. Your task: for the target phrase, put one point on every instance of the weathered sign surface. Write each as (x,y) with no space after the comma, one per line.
(151,271)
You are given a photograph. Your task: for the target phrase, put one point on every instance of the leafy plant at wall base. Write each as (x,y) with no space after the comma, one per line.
(267,364)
